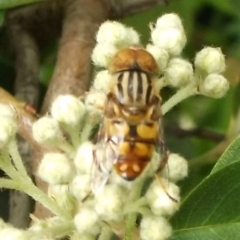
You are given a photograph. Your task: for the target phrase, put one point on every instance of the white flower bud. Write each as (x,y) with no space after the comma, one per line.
(103,53)
(2,224)
(172,40)
(102,80)
(214,85)
(160,197)
(179,72)
(109,203)
(68,110)
(170,20)
(84,158)
(46,130)
(119,181)
(176,168)
(210,60)
(96,99)
(55,168)
(87,221)
(8,129)
(155,228)
(10,233)
(160,55)
(62,195)
(7,111)
(132,38)
(80,186)
(112,32)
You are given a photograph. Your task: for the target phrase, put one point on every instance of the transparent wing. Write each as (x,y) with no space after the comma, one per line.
(99,172)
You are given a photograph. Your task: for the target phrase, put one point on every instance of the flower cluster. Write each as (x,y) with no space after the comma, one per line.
(88,203)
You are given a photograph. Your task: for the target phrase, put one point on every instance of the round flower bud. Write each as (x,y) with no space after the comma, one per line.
(80,186)
(176,168)
(172,40)
(109,203)
(55,168)
(96,99)
(46,130)
(111,32)
(7,111)
(84,158)
(170,20)
(103,53)
(214,85)
(210,60)
(155,228)
(68,110)
(179,72)
(8,129)
(87,221)
(163,197)
(102,80)
(161,55)
(10,233)
(132,38)
(62,195)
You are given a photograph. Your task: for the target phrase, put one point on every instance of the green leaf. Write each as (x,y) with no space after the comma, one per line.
(4,4)
(211,210)
(232,154)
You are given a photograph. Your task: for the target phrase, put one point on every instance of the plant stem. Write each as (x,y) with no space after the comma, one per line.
(106,233)
(6,164)
(182,94)
(13,151)
(131,219)
(39,196)
(8,184)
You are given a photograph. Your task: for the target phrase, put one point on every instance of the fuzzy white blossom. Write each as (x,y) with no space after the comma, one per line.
(8,129)
(10,233)
(210,60)
(132,38)
(109,203)
(176,168)
(102,80)
(170,20)
(171,39)
(87,221)
(111,32)
(7,111)
(103,53)
(68,110)
(80,186)
(84,158)
(55,168)
(155,228)
(96,99)
(214,85)
(179,72)
(160,55)
(117,34)
(163,197)
(46,130)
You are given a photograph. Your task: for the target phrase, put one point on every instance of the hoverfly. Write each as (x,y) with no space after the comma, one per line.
(131,126)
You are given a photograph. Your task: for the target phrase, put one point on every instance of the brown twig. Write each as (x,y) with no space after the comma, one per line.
(199,133)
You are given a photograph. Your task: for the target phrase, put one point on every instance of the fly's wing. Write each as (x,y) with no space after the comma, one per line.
(103,156)
(100,171)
